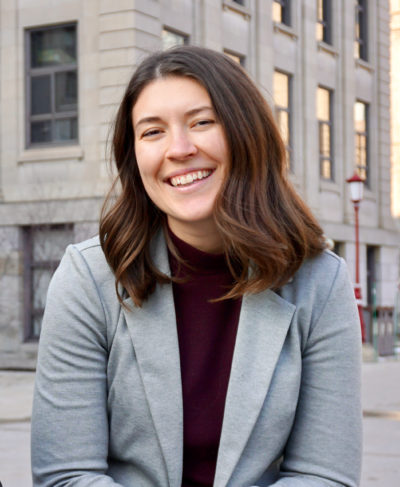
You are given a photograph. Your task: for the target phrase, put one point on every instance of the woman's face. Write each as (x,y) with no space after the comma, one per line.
(182,154)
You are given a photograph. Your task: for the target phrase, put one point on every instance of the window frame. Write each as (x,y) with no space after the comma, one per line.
(289,111)
(238,58)
(285,11)
(361,42)
(185,37)
(29,266)
(357,135)
(325,21)
(31,72)
(330,124)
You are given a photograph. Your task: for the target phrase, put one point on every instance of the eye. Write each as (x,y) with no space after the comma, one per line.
(151,133)
(202,123)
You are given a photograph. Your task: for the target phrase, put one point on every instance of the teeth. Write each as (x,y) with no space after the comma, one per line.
(189,178)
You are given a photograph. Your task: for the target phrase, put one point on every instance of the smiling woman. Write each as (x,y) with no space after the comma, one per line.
(207,338)
(182,156)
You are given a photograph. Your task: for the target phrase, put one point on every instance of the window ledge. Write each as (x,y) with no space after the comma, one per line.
(285,29)
(241,9)
(369,194)
(51,154)
(360,63)
(324,47)
(329,186)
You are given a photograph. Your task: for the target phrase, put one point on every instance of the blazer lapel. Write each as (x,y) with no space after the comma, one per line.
(155,340)
(263,325)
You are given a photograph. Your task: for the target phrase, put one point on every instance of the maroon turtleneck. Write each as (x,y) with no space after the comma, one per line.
(207,334)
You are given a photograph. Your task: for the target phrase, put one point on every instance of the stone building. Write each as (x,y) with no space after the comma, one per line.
(395,105)
(323,65)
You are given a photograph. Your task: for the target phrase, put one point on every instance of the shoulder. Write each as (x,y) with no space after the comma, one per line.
(320,280)
(84,265)
(89,254)
(321,270)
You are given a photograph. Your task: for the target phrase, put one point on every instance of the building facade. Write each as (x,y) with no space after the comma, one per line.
(322,65)
(395,105)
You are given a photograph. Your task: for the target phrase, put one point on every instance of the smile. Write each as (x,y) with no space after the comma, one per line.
(190,177)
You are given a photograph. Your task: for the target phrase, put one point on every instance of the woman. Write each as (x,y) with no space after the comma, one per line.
(207,338)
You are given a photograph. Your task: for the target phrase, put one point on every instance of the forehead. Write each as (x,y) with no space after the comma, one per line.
(170,93)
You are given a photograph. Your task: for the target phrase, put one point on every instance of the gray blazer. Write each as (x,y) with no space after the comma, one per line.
(108,401)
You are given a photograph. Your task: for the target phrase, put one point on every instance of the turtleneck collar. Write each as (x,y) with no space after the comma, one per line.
(201,262)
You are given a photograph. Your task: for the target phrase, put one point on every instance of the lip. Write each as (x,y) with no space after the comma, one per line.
(187,171)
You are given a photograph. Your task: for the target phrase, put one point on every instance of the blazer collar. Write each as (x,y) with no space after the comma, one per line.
(155,340)
(263,324)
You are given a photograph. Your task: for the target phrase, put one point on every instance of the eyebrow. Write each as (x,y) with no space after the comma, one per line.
(190,113)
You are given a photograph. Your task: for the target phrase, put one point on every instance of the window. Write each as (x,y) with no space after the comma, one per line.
(324,116)
(52,85)
(282,101)
(338,248)
(235,57)
(43,247)
(281,11)
(170,38)
(361,30)
(324,21)
(240,2)
(372,274)
(361,127)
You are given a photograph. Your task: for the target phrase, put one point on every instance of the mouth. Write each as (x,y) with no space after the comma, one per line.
(190,177)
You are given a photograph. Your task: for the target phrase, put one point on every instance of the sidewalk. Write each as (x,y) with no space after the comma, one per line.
(381,405)
(16,390)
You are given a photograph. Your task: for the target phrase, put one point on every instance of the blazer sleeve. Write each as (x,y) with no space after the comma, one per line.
(325,444)
(69,441)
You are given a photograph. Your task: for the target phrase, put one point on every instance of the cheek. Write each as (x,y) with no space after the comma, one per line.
(146,165)
(220,148)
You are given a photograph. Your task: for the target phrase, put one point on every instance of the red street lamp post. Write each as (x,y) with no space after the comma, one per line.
(356,191)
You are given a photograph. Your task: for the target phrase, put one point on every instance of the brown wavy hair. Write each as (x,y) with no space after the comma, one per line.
(266,228)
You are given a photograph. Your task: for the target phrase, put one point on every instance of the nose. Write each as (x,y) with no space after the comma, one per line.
(180,145)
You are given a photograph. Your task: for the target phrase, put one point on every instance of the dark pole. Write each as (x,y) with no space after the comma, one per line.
(357,287)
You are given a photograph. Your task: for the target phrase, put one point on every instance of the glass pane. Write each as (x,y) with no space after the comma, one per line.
(323,104)
(51,47)
(36,326)
(362,172)
(320,10)
(66,129)
(41,131)
(288,152)
(41,281)
(357,30)
(360,116)
(171,39)
(363,150)
(357,149)
(49,243)
(234,57)
(326,169)
(283,123)
(40,95)
(325,140)
(356,50)
(276,12)
(281,89)
(319,32)
(66,91)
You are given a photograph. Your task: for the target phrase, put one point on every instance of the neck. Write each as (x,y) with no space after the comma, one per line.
(203,237)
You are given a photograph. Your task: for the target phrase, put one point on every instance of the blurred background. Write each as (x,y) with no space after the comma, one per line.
(330,70)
